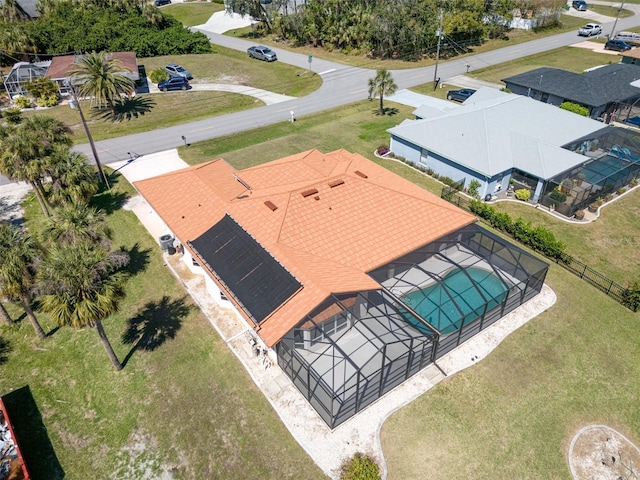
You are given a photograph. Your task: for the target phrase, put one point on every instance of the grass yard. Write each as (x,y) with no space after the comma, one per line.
(183,406)
(173,108)
(567,58)
(611,245)
(514,37)
(611,11)
(514,413)
(191,14)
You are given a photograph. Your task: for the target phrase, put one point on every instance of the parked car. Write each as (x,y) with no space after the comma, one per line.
(174,83)
(261,52)
(159,3)
(617,45)
(590,29)
(177,71)
(460,95)
(580,5)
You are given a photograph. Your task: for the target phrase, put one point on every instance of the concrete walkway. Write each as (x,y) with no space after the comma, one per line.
(269,98)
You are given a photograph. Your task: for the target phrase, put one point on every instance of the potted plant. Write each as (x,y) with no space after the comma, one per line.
(581,177)
(579,214)
(564,186)
(593,208)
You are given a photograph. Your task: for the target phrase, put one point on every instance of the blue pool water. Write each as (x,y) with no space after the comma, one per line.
(435,305)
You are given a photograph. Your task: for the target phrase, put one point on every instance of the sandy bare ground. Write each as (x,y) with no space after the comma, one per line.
(598,452)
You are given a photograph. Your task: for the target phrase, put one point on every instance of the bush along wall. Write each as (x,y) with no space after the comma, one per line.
(538,238)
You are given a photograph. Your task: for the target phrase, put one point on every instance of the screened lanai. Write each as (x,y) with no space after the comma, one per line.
(613,161)
(356,347)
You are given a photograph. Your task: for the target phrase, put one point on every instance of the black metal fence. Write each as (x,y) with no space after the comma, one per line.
(614,290)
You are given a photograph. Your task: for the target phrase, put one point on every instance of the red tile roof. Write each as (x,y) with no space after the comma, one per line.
(328,218)
(60,66)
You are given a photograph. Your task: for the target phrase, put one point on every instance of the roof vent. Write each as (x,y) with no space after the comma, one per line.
(308,193)
(360,174)
(271,205)
(335,183)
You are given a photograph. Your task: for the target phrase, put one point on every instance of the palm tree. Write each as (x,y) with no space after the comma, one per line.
(18,254)
(5,315)
(75,223)
(380,85)
(73,180)
(81,285)
(26,151)
(98,76)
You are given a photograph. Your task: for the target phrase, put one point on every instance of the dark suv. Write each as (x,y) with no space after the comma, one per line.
(579,5)
(174,83)
(617,45)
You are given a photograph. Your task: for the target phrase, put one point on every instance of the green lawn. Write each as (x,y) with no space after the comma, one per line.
(188,405)
(567,23)
(611,11)
(185,405)
(173,108)
(513,414)
(192,13)
(567,58)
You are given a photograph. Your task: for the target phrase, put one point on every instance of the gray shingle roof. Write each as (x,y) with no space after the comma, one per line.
(501,132)
(610,83)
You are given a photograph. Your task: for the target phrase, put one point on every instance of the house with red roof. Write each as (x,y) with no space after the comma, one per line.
(353,277)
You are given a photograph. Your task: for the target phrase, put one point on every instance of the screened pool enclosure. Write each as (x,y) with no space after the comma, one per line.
(355,347)
(613,161)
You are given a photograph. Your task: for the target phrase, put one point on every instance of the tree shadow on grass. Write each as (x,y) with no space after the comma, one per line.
(5,348)
(155,324)
(138,259)
(386,111)
(127,108)
(35,445)
(109,201)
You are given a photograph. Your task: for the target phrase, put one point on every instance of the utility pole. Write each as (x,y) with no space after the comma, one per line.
(76,104)
(439,33)
(613,29)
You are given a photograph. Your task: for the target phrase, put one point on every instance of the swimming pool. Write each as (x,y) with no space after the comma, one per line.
(457,296)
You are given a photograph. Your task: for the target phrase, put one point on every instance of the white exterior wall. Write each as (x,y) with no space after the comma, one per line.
(402,148)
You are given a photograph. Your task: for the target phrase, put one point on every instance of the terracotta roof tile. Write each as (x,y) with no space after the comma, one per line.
(328,240)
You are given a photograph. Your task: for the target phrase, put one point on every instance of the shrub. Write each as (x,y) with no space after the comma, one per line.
(523,194)
(22,102)
(45,91)
(474,185)
(621,190)
(158,75)
(558,196)
(382,150)
(360,467)
(538,238)
(631,296)
(12,115)
(48,100)
(575,108)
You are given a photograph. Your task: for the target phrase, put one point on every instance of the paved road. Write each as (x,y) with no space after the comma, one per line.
(341,85)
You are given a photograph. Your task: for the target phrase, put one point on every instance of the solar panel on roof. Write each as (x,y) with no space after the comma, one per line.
(256,279)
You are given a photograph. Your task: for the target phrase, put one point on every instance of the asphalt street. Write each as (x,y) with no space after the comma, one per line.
(341,85)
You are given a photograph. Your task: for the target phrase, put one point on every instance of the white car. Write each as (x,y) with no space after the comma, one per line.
(590,29)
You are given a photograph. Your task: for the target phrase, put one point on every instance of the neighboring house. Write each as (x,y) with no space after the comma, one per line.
(22,73)
(353,277)
(604,90)
(496,137)
(631,57)
(59,70)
